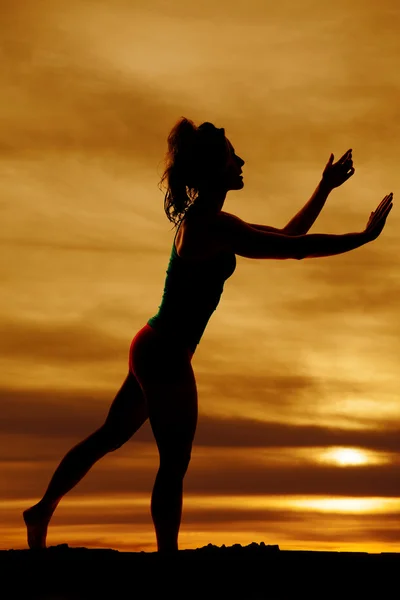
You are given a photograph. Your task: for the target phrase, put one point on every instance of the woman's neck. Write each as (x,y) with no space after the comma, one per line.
(210,202)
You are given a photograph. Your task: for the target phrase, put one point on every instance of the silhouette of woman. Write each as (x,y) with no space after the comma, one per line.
(201,167)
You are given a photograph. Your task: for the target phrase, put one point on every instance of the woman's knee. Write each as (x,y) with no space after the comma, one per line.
(111,439)
(176,462)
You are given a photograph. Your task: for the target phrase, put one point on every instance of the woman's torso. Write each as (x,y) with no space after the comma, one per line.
(197,270)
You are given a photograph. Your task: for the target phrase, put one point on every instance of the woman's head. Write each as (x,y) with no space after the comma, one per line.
(199,160)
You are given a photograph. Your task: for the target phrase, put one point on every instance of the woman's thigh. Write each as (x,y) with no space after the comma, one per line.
(128,410)
(173,411)
(166,376)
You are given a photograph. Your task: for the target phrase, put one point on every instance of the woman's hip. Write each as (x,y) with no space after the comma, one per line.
(154,354)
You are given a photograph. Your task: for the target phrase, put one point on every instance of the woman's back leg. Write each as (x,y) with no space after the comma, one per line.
(127,414)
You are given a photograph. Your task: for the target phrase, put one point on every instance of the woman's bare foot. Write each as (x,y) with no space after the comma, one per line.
(36,521)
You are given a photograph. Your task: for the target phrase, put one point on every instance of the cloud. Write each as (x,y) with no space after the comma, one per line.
(57,413)
(59,97)
(82,95)
(253,478)
(249,433)
(77,341)
(239,477)
(389,535)
(38,428)
(88,115)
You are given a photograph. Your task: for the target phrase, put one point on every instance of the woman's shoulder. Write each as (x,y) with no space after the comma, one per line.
(198,238)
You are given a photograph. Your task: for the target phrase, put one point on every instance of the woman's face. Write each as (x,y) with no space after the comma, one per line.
(233,173)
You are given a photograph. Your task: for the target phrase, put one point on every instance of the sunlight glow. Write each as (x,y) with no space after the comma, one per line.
(140,502)
(347,505)
(347,456)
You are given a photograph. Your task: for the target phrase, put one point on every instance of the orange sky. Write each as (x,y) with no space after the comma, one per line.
(298,442)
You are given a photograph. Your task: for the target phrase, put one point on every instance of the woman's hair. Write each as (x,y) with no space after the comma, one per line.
(195,159)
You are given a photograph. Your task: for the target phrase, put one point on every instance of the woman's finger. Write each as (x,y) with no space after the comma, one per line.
(345,155)
(379,210)
(387,208)
(386,199)
(378,216)
(384,213)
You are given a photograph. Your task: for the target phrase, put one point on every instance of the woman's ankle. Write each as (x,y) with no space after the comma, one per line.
(43,508)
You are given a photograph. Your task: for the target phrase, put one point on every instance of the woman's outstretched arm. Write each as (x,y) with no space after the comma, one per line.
(239,237)
(334,175)
(304,219)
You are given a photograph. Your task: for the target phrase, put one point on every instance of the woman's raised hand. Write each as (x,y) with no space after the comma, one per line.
(337,173)
(377,218)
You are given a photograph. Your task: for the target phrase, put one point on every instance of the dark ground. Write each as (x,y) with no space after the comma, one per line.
(254,572)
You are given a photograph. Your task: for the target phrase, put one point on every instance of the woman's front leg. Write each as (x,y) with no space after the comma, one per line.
(173,418)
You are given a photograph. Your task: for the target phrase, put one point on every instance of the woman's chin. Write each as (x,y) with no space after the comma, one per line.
(237,185)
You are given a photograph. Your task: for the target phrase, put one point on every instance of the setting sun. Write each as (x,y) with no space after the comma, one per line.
(345,456)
